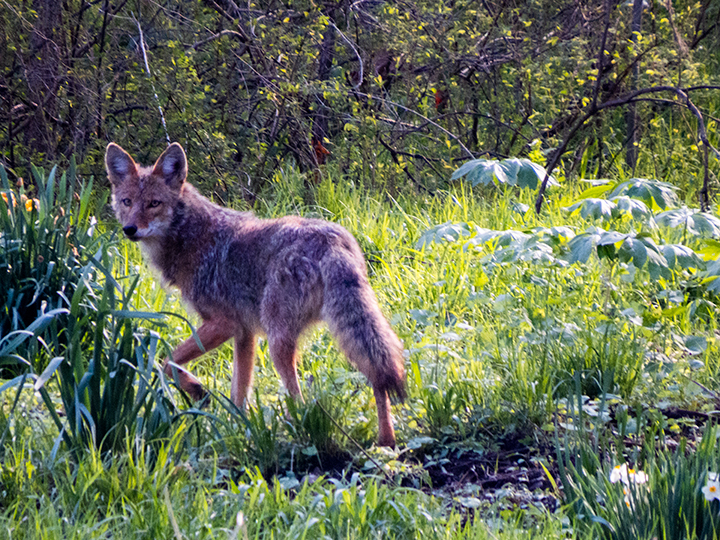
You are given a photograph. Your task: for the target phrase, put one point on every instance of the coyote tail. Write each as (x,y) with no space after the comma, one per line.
(354,317)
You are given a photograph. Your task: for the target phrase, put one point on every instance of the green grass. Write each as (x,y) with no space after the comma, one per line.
(502,333)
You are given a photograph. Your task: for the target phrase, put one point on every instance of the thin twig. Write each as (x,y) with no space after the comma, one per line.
(411,111)
(220,34)
(630,97)
(361,72)
(147,70)
(387,475)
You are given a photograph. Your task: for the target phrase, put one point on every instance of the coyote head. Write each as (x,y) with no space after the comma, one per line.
(144,197)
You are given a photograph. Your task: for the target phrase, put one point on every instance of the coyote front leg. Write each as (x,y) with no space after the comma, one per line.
(212,333)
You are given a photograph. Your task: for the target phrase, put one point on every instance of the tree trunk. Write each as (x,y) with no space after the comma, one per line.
(631,116)
(43,75)
(320,118)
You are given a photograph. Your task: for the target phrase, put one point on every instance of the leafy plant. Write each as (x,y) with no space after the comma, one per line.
(66,319)
(46,241)
(110,386)
(519,172)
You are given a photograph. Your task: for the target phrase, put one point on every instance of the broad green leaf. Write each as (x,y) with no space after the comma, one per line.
(524,249)
(712,283)
(711,276)
(679,255)
(611,237)
(466,168)
(525,173)
(555,236)
(519,172)
(593,208)
(693,221)
(661,194)
(633,250)
(445,232)
(505,238)
(637,209)
(695,344)
(582,246)
(480,171)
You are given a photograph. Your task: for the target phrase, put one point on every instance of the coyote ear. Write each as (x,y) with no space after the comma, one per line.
(171,166)
(119,164)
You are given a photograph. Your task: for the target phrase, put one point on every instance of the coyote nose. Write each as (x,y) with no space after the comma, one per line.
(130,230)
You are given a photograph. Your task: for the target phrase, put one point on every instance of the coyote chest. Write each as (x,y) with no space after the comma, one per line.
(246,276)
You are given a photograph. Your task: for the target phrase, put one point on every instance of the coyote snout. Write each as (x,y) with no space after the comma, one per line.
(130,232)
(247,276)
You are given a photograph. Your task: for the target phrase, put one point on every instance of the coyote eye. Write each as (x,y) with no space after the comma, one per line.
(127,202)
(154,203)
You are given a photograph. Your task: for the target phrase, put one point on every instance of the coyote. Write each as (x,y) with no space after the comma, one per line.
(246,276)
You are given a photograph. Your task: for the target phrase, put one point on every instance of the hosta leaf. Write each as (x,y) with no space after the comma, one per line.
(637,209)
(650,192)
(693,221)
(593,208)
(445,232)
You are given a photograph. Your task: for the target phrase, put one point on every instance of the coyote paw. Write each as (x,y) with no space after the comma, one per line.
(198,394)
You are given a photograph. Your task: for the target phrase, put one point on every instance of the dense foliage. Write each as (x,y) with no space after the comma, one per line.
(392,93)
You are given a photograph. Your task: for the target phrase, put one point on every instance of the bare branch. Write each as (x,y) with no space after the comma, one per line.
(411,111)
(223,33)
(630,97)
(147,70)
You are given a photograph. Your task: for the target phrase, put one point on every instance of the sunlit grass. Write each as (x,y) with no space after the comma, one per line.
(493,347)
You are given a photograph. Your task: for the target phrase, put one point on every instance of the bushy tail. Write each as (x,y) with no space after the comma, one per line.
(354,317)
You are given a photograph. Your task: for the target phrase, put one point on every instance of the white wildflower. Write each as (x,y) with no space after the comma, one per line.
(712,488)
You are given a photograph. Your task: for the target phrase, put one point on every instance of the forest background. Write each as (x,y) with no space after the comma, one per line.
(396,94)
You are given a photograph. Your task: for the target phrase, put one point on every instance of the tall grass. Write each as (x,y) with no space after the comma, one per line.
(502,334)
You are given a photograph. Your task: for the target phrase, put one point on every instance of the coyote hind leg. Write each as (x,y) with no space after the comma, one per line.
(386,432)
(283,351)
(243,362)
